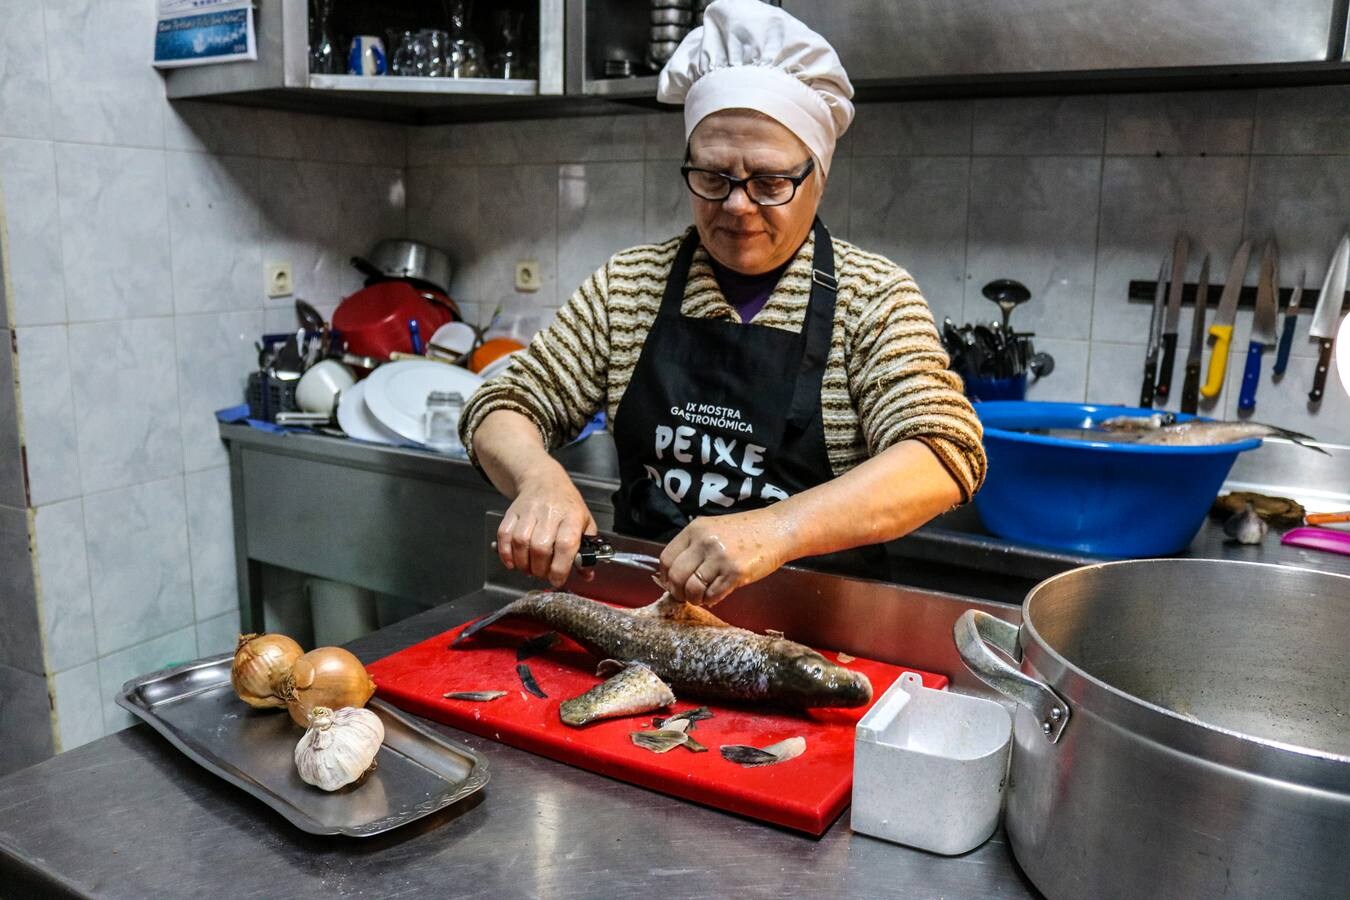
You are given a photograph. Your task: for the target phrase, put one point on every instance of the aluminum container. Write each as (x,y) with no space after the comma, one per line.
(929,767)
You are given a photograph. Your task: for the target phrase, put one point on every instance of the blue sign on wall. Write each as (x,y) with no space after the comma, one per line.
(205,38)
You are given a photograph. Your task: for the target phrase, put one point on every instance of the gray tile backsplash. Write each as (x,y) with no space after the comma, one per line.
(32,220)
(20,634)
(25,719)
(66,603)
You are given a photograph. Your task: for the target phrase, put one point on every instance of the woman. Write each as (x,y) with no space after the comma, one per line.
(774,394)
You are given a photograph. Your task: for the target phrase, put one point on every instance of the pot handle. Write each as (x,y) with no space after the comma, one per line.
(975,631)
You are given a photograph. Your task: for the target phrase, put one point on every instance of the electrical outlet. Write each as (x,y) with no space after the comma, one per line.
(528,276)
(277,279)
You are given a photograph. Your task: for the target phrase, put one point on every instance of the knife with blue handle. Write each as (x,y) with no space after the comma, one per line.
(1263,328)
(1290,320)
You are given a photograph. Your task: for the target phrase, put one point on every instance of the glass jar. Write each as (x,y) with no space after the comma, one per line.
(441,423)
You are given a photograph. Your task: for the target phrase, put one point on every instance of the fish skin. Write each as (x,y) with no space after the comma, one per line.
(715,661)
(1198,433)
(634,690)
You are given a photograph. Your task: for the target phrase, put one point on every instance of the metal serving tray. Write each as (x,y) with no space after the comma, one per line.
(195,707)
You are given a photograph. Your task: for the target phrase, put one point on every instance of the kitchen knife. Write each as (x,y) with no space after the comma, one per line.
(1263,327)
(1190,387)
(1290,320)
(1222,329)
(1180,250)
(1327,314)
(1154,336)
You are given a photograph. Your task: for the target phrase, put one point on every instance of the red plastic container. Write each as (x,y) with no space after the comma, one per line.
(374,320)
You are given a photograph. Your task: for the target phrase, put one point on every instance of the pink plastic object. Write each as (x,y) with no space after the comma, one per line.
(1319,539)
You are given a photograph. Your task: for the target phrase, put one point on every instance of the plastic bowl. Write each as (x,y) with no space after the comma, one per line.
(1097,497)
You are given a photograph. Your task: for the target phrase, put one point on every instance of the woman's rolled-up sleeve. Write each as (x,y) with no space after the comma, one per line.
(902,388)
(558,382)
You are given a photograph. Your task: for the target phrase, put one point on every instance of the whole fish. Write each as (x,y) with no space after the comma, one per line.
(635,689)
(693,651)
(1162,430)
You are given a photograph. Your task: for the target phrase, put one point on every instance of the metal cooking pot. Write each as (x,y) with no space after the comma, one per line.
(404,258)
(1182,729)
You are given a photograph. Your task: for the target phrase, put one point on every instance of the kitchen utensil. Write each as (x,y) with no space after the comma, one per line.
(1318,539)
(319,387)
(304,419)
(807,793)
(1263,326)
(1327,518)
(405,258)
(417,773)
(1179,729)
(1181,249)
(396,393)
(453,341)
(1222,329)
(1290,320)
(928,767)
(1326,314)
(1190,385)
(1099,497)
(415,336)
(366,56)
(595,549)
(1155,322)
(498,365)
(374,320)
(355,419)
(1007,294)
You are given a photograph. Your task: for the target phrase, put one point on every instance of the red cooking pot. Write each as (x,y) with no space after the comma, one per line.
(375,320)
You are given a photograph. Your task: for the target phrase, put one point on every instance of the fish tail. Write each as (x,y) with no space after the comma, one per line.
(509,609)
(1303,440)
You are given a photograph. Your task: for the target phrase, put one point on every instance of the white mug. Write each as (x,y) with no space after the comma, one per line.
(366,56)
(319,387)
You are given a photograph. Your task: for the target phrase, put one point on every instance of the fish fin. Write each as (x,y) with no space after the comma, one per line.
(484,622)
(678,611)
(609,667)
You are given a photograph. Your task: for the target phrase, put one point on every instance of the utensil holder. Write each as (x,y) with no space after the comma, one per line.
(266,396)
(929,768)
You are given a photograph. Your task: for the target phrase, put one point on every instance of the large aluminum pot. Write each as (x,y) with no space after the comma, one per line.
(406,258)
(1182,729)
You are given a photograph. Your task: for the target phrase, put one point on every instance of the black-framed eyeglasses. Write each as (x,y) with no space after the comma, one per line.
(764,190)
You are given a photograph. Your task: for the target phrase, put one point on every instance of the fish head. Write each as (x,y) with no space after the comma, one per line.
(815,681)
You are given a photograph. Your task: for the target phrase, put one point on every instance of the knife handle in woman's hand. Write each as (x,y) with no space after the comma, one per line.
(1251,377)
(1218,360)
(1169,360)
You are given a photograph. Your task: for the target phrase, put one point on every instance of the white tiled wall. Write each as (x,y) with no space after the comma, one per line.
(137,234)
(1073,196)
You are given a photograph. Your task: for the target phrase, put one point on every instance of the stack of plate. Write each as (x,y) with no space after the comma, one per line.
(387,407)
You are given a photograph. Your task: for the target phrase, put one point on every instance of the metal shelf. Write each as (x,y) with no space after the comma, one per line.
(392,84)
(642,87)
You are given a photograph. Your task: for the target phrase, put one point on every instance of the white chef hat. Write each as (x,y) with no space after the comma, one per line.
(750,55)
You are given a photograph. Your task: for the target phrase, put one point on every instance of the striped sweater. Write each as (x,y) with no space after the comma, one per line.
(886,378)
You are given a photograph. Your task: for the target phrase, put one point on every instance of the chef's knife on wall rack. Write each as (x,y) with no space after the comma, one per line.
(1154,337)
(1263,326)
(1190,386)
(1222,329)
(1327,313)
(1290,321)
(1180,251)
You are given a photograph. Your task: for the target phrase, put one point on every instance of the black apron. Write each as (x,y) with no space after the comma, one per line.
(721,417)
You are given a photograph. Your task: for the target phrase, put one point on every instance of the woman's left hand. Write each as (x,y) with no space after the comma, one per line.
(714,555)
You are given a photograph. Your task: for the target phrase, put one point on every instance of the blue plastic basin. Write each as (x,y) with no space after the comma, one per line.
(1097,497)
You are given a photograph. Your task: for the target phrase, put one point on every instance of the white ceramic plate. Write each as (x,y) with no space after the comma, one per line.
(497,365)
(396,392)
(354,417)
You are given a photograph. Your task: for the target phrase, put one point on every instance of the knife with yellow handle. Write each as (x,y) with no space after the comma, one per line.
(1222,329)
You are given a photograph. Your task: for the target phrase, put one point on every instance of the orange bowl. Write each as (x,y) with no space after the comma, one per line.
(490,350)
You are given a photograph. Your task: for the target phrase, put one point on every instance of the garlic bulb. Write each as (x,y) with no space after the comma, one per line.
(339,747)
(261,663)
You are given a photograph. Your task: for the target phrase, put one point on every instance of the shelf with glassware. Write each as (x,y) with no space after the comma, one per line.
(616,47)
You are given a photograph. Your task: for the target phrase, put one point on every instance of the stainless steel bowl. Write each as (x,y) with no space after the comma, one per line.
(660,51)
(672,33)
(672,16)
(405,258)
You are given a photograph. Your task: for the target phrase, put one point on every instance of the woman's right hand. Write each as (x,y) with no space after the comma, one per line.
(541,532)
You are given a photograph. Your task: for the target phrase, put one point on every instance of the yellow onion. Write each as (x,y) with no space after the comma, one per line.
(261,664)
(328,676)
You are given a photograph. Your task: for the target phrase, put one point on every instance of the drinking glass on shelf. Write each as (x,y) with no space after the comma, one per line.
(465,56)
(508,61)
(437,52)
(324,58)
(405,57)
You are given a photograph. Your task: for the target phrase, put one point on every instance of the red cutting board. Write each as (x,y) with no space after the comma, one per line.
(807,793)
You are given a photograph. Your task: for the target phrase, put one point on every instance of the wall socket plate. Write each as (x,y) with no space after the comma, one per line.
(529,277)
(277,279)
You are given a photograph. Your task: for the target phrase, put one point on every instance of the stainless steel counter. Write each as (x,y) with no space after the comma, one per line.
(129,816)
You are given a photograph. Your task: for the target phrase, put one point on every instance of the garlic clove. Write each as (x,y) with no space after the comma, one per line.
(339,747)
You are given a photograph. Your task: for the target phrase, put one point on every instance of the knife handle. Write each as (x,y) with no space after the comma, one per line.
(1286,341)
(1169,361)
(1150,381)
(1251,376)
(1218,360)
(1323,366)
(1190,388)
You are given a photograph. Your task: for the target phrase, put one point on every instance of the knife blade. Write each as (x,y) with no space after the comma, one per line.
(1327,313)
(1222,329)
(1154,337)
(1263,326)
(1190,387)
(1180,251)
(1290,321)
